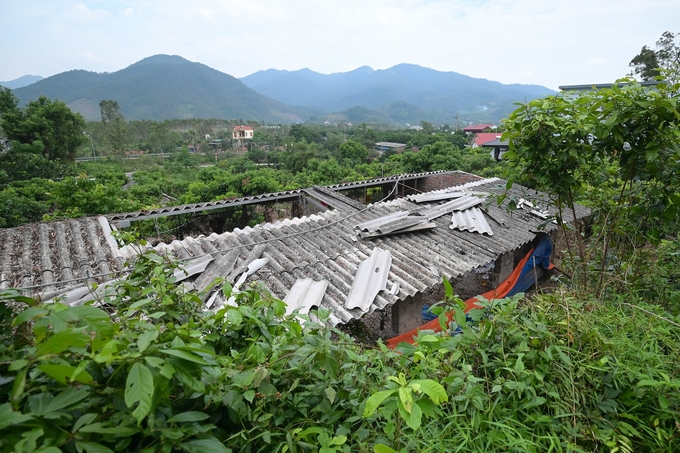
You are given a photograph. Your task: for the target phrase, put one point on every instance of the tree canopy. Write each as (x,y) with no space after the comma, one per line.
(664,61)
(616,149)
(48,125)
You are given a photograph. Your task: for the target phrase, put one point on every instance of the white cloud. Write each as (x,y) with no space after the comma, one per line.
(546,42)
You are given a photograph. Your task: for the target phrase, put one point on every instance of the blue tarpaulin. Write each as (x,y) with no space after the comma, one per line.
(540,257)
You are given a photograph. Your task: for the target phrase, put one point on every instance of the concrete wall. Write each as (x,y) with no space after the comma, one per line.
(406,315)
(503,267)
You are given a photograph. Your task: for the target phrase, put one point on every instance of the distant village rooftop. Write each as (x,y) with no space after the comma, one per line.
(390,146)
(601,86)
(478,128)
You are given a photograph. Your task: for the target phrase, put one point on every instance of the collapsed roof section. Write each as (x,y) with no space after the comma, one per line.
(358,262)
(329,260)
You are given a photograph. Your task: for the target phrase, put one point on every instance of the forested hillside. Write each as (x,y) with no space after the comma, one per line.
(159,88)
(402,93)
(164,87)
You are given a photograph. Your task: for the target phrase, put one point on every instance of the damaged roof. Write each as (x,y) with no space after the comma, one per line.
(329,248)
(327,257)
(123,220)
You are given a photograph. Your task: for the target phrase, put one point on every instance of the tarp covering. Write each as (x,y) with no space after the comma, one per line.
(520,280)
(540,256)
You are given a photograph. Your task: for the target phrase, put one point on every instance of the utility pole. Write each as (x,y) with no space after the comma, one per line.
(89,135)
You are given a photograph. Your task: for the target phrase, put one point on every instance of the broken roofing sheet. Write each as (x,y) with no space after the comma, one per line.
(305,294)
(370,279)
(466,217)
(459,204)
(472,220)
(326,248)
(398,222)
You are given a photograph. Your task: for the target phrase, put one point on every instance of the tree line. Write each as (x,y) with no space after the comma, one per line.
(198,161)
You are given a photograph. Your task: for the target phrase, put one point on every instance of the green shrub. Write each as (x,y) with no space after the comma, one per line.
(146,368)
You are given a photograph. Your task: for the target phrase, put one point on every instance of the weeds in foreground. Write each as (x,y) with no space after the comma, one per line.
(144,369)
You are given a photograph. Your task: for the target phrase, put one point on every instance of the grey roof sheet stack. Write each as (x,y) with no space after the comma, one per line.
(471,219)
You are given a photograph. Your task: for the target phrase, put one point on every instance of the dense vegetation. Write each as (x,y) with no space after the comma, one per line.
(591,366)
(147,369)
(34,187)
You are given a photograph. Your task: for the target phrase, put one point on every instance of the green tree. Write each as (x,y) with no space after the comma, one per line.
(24,161)
(438,156)
(428,128)
(160,138)
(184,157)
(664,61)
(8,102)
(52,124)
(75,197)
(263,180)
(17,208)
(299,132)
(299,155)
(257,155)
(110,111)
(616,149)
(327,171)
(115,127)
(645,64)
(353,152)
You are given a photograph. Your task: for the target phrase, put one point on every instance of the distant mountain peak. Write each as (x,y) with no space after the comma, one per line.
(362,70)
(21,81)
(162,59)
(401,93)
(161,87)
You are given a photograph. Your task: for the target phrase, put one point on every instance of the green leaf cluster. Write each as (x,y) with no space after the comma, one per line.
(146,368)
(616,150)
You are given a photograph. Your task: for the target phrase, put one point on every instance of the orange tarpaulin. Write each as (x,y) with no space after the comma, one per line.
(500,292)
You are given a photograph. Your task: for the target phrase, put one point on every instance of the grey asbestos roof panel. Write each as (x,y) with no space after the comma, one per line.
(459,204)
(402,224)
(436,196)
(471,220)
(334,199)
(305,294)
(198,207)
(370,279)
(50,255)
(374,225)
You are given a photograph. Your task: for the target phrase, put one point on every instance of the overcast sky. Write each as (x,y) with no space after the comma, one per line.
(544,42)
